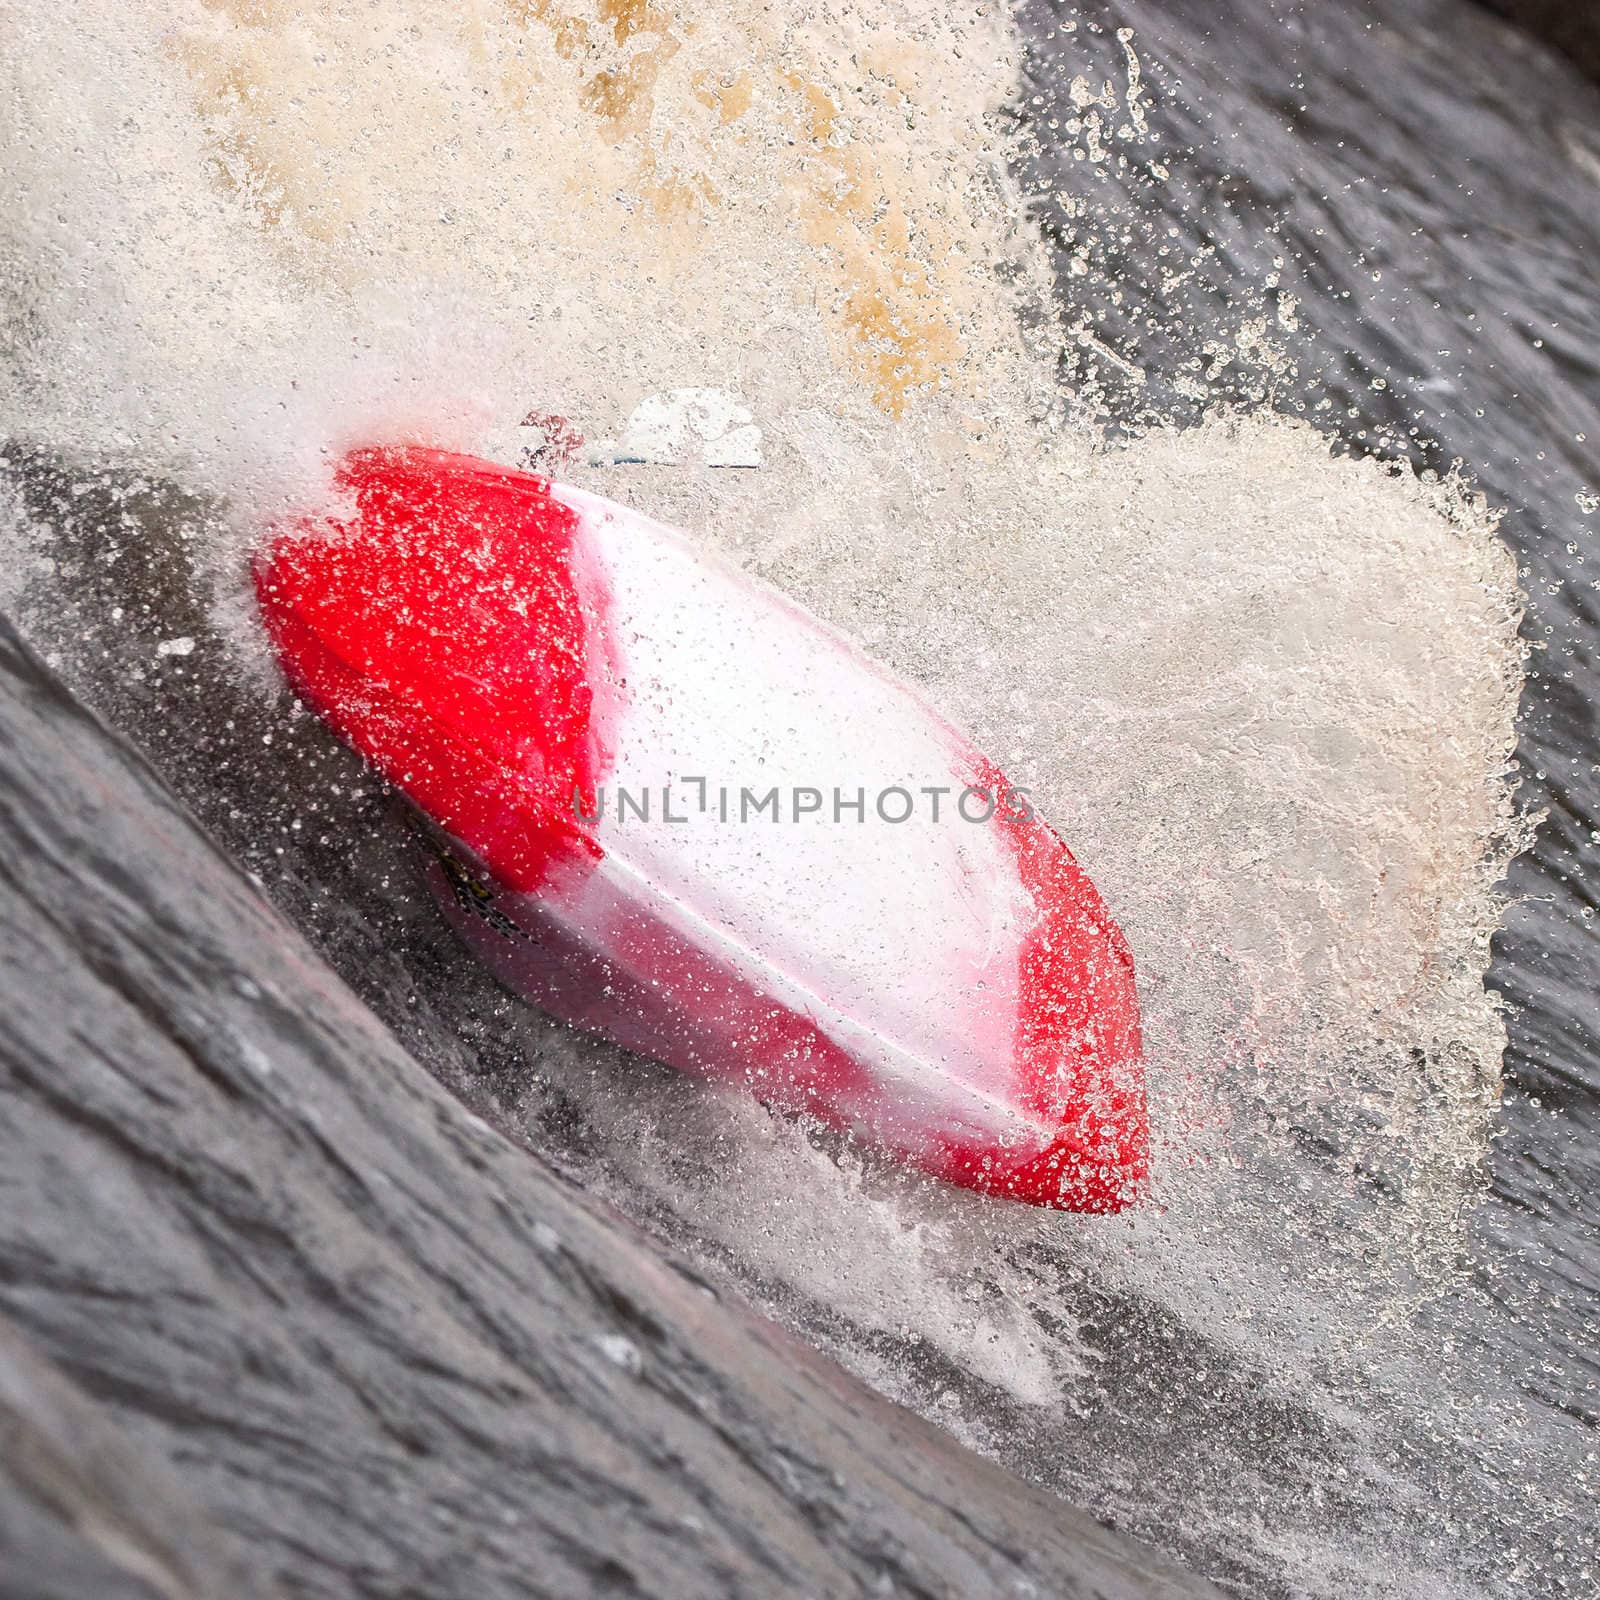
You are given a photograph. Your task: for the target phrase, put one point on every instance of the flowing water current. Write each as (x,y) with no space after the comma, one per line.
(1198,400)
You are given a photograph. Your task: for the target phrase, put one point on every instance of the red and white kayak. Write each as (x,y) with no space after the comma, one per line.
(684,814)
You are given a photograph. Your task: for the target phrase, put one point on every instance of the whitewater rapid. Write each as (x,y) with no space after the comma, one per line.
(1266,694)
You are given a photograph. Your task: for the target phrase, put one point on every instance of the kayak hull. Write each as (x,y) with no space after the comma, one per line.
(681,813)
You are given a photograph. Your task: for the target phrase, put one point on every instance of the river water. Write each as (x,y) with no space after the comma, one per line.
(1098,351)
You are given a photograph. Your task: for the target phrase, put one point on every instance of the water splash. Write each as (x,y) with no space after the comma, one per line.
(1267,695)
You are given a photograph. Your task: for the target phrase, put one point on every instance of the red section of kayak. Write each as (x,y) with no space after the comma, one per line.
(444,632)
(1078,1041)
